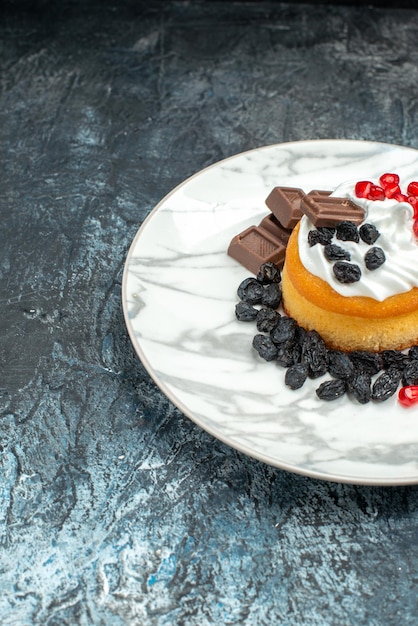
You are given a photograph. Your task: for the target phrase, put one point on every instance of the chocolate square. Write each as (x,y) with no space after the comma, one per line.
(330,211)
(273,226)
(255,246)
(284,203)
(319,192)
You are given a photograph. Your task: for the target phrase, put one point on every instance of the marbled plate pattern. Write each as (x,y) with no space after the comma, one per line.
(179,295)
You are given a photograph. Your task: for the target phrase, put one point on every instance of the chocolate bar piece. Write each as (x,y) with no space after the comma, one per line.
(319,192)
(284,203)
(255,246)
(330,211)
(272,224)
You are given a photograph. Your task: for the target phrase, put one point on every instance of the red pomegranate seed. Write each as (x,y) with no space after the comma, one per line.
(400,197)
(408,396)
(362,188)
(391,190)
(388,180)
(412,189)
(376,193)
(413,201)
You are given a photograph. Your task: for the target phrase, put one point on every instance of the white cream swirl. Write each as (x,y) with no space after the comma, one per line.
(394,221)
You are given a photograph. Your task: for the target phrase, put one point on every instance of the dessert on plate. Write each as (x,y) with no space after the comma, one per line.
(344,267)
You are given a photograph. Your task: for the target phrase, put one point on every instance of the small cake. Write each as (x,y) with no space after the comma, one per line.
(355,281)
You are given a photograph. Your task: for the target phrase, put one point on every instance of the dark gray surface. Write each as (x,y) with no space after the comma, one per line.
(114,508)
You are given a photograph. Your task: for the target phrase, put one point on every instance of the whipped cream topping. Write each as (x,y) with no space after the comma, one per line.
(394,221)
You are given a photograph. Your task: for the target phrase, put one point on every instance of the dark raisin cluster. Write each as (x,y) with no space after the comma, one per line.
(344,271)
(363,375)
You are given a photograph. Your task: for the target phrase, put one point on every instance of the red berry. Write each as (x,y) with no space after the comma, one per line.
(376,193)
(408,395)
(362,188)
(388,180)
(400,197)
(412,189)
(391,190)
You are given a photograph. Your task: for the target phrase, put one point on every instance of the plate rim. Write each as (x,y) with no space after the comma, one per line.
(283,465)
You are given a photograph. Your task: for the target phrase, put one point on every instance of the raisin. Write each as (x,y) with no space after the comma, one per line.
(272,296)
(360,387)
(284,330)
(250,291)
(333,252)
(410,374)
(321,235)
(268,273)
(386,384)
(314,354)
(288,353)
(346,272)
(394,358)
(369,233)
(265,347)
(313,238)
(296,375)
(245,312)
(340,364)
(331,390)
(364,361)
(347,231)
(327,232)
(266,320)
(374,258)
(300,334)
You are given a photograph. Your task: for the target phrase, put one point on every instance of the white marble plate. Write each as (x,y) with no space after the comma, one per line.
(179,295)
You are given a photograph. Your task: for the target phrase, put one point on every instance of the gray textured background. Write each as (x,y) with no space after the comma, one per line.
(114,508)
